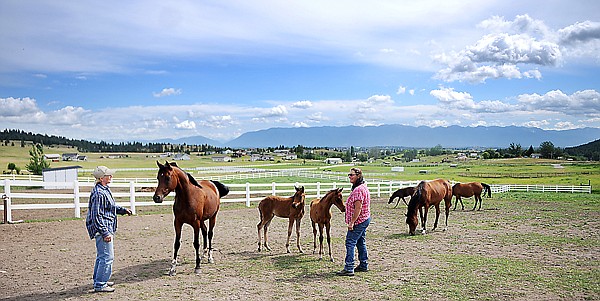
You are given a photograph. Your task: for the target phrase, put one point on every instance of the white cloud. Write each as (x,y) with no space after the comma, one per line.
(167,92)
(277,111)
(186,125)
(586,102)
(17,106)
(401,90)
(580,32)
(304,104)
(299,124)
(380,99)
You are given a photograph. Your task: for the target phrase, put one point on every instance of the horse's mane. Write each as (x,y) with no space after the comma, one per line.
(190,177)
(415,199)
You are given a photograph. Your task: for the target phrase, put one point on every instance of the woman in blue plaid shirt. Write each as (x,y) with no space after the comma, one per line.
(101,223)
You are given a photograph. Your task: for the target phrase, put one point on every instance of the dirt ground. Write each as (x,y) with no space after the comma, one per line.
(54,260)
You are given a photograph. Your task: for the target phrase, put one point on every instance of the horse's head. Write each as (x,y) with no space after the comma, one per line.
(298,198)
(338,199)
(167,181)
(411,213)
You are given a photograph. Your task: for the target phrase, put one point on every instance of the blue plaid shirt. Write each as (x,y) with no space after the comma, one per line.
(102,212)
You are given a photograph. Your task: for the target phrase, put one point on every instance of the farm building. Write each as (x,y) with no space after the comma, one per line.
(333,161)
(52,157)
(179,157)
(221,159)
(60,174)
(69,156)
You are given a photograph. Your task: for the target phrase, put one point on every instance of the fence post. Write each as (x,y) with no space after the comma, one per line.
(247,194)
(273,188)
(6,197)
(379,189)
(132,196)
(319,190)
(76,199)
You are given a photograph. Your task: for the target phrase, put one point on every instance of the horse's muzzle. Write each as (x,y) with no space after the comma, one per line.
(157,198)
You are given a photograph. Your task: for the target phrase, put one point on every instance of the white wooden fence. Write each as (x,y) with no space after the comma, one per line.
(131,195)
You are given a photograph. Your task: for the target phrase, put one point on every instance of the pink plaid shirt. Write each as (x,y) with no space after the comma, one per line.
(359,193)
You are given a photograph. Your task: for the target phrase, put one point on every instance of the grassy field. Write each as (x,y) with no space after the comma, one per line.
(496,171)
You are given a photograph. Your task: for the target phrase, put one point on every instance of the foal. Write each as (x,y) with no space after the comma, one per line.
(291,207)
(320,214)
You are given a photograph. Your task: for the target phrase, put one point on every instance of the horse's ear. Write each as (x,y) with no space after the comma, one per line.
(340,189)
(159,165)
(167,164)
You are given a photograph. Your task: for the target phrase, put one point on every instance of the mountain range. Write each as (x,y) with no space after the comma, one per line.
(402,136)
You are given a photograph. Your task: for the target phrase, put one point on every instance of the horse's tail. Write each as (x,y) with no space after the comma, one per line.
(223,190)
(487,188)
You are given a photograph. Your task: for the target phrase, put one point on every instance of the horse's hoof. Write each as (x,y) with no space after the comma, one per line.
(197,271)
(331,259)
(172,273)
(210,260)
(445,229)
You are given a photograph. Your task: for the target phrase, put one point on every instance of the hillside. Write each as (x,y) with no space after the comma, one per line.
(408,136)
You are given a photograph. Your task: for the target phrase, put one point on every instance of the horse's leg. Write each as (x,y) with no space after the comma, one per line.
(265,228)
(327,227)
(290,225)
(447,205)
(398,202)
(314,227)
(477,199)
(298,234)
(197,226)
(211,226)
(424,219)
(437,216)
(176,246)
(321,241)
(258,227)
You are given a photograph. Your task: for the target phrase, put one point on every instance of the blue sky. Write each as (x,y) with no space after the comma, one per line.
(108,70)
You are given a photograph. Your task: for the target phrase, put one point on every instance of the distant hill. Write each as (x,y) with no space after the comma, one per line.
(591,150)
(409,136)
(192,140)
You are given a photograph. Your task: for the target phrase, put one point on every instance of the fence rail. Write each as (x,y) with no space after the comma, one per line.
(134,194)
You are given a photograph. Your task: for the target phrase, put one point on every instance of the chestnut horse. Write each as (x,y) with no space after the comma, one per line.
(291,207)
(195,202)
(427,194)
(468,190)
(401,194)
(320,214)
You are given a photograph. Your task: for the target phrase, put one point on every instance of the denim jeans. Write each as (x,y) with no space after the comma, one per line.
(356,238)
(104,260)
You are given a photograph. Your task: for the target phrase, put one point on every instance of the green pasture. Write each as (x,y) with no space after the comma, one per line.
(494,171)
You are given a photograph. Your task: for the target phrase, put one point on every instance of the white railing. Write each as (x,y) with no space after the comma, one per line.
(135,194)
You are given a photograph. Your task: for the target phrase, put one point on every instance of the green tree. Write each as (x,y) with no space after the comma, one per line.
(547,150)
(12,167)
(515,149)
(529,151)
(37,163)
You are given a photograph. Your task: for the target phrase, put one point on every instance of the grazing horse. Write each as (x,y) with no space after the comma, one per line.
(401,194)
(468,190)
(195,202)
(291,207)
(320,214)
(427,194)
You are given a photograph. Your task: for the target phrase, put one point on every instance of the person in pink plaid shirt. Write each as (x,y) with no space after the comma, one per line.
(358,218)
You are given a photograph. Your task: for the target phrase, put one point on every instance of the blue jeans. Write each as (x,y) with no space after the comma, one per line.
(356,238)
(104,260)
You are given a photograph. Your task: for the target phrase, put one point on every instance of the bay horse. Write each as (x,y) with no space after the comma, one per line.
(290,207)
(195,202)
(427,194)
(320,215)
(468,190)
(401,194)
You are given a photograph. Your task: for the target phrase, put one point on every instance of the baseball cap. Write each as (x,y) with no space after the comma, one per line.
(102,171)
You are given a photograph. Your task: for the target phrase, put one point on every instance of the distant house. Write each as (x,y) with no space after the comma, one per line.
(60,174)
(81,158)
(261,157)
(181,156)
(221,159)
(333,161)
(52,157)
(69,156)
(536,156)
